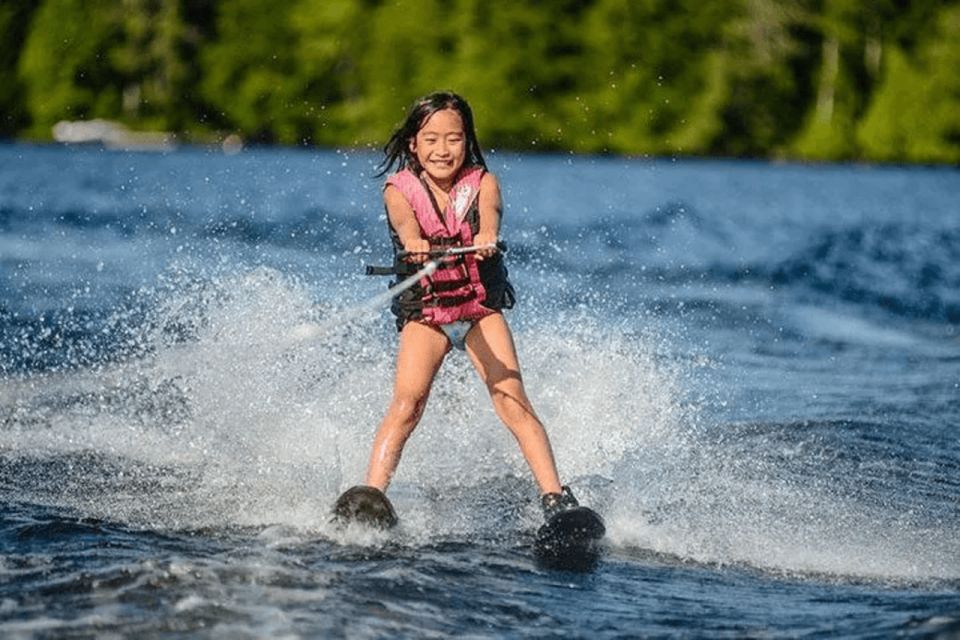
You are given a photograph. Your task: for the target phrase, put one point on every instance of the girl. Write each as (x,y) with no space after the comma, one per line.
(443,197)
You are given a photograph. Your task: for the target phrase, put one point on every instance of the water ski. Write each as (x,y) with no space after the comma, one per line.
(570,540)
(365,505)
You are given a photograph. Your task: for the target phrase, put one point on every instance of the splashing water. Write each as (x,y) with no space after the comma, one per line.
(226,421)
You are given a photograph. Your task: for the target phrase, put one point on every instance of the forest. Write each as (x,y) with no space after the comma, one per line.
(823,80)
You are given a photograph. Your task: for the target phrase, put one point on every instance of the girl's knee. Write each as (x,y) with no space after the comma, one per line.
(408,407)
(512,408)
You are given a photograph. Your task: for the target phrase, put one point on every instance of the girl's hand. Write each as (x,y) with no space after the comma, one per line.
(418,249)
(482,240)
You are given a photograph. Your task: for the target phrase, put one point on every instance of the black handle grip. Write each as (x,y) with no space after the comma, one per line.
(380,271)
(439,253)
(405,269)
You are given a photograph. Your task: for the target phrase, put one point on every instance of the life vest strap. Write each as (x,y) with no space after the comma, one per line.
(444,286)
(448,301)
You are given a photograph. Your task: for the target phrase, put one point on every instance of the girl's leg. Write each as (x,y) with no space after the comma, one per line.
(490,347)
(420,354)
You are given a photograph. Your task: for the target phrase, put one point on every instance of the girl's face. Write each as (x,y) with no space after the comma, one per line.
(441,146)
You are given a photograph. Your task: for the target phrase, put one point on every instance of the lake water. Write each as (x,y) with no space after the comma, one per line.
(752,370)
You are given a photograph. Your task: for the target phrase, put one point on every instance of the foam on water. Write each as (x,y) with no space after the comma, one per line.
(715,518)
(228,418)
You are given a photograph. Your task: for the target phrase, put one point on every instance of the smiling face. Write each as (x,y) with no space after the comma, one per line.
(441,146)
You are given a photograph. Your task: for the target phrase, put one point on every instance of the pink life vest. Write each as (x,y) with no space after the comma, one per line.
(454,291)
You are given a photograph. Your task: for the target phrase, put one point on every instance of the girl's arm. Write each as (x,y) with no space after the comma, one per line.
(491,208)
(404,222)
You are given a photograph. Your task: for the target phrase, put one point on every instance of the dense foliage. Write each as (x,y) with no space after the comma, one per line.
(818,79)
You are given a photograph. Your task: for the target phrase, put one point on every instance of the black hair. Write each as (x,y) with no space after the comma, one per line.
(397,152)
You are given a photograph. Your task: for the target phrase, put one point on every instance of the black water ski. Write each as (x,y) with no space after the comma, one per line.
(365,505)
(570,540)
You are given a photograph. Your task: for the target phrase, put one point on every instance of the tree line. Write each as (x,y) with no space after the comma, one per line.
(869,80)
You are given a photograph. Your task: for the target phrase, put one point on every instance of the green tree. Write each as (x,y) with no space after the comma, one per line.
(153,62)
(915,114)
(63,67)
(515,62)
(761,86)
(127,61)
(332,40)
(383,59)
(249,71)
(651,76)
(820,79)
(851,33)
(15,18)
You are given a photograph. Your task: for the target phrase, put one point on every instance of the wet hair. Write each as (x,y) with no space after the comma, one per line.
(397,152)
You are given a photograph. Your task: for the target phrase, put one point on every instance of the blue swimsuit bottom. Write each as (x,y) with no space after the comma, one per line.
(456,333)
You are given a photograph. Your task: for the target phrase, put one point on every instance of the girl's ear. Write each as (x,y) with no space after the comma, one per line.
(413,144)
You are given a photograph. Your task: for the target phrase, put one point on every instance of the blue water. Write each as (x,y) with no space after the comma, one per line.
(752,370)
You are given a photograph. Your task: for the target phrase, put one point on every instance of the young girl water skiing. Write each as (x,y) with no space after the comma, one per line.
(442,197)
